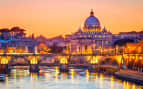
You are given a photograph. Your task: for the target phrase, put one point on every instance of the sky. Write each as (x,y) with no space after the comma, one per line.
(60,17)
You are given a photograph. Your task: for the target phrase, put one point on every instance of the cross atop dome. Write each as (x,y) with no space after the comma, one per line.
(91,13)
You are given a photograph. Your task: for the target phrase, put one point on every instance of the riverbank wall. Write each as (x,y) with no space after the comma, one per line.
(132,76)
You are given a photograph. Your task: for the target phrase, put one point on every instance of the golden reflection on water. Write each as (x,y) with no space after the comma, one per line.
(64,75)
(87,75)
(6,79)
(34,76)
(124,85)
(57,72)
(96,76)
(127,85)
(101,81)
(47,76)
(26,73)
(93,76)
(112,82)
(140,87)
(133,86)
(72,75)
(13,74)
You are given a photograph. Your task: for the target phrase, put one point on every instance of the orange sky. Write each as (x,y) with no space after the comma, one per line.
(56,17)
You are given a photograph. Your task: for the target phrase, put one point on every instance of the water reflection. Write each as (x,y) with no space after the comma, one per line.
(51,78)
(64,75)
(6,79)
(112,82)
(34,76)
(101,81)
(72,74)
(133,86)
(128,85)
(87,75)
(19,73)
(57,72)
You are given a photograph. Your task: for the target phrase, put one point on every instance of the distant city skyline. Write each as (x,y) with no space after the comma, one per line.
(59,17)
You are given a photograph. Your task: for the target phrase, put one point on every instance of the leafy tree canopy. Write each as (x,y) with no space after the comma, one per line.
(123,42)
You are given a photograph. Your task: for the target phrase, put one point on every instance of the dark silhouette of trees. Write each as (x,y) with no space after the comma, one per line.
(15,32)
(4,33)
(123,42)
(18,32)
(56,49)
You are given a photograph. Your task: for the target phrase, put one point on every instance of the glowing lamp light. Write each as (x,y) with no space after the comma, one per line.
(140,58)
(99,36)
(127,57)
(93,60)
(66,51)
(4,60)
(133,57)
(63,60)
(119,59)
(72,74)
(34,60)
(57,72)
(49,49)
(87,75)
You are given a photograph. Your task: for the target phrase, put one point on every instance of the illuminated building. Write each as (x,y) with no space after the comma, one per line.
(133,55)
(91,38)
(132,34)
(135,48)
(14,41)
(136,36)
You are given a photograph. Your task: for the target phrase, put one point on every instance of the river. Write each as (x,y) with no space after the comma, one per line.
(51,78)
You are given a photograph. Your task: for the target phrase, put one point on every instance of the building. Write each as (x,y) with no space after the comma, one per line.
(133,54)
(14,41)
(134,48)
(91,38)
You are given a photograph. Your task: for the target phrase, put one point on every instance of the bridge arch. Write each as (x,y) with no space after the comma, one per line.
(105,60)
(45,59)
(110,60)
(79,60)
(19,60)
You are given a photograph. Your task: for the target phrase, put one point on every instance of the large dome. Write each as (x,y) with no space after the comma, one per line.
(92,22)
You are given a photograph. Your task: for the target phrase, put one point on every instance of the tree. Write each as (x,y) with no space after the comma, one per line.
(123,42)
(18,32)
(4,33)
(56,49)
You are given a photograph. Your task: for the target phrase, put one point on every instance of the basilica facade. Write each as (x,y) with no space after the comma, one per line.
(91,38)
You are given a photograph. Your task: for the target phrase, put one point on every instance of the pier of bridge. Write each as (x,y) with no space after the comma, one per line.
(6,61)
(64,64)
(4,66)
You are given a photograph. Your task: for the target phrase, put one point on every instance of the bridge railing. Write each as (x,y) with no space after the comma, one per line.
(52,54)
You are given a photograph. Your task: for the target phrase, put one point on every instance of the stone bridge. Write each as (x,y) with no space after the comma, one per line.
(33,60)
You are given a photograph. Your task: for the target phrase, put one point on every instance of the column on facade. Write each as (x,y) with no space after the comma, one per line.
(93,46)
